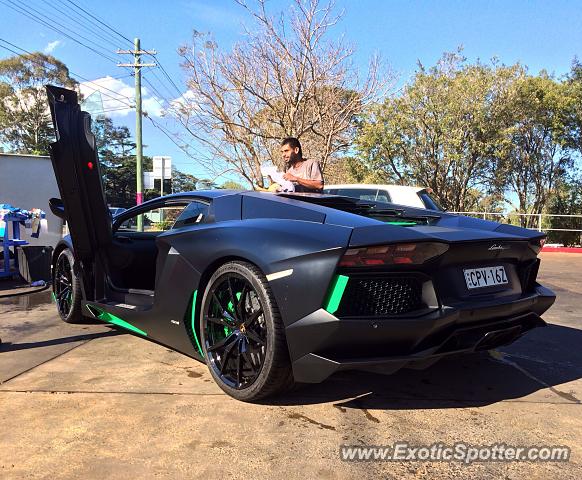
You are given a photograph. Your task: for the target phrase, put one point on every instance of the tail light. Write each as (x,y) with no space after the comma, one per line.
(537,244)
(395,254)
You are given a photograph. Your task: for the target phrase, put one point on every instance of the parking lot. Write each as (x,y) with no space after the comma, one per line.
(87,401)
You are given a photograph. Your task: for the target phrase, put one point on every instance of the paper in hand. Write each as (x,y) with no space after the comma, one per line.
(276,176)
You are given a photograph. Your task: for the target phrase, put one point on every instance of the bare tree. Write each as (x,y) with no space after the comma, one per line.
(285,79)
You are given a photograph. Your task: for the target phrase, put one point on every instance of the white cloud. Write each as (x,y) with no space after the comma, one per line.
(52,45)
(188,101)
(153,106)
(117,98)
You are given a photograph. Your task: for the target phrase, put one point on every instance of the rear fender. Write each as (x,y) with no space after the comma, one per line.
(299,258)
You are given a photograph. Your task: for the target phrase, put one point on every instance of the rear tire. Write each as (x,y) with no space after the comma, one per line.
(243,337)
(67,288)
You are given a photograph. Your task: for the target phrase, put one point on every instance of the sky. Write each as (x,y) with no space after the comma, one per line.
(539,34)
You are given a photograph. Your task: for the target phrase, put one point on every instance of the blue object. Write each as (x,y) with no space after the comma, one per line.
(8,242)
(15,216)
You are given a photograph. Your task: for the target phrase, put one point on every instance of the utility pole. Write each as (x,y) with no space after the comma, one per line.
(137,66)
(162,189)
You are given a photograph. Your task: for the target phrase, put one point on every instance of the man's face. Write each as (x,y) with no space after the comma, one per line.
(290,155)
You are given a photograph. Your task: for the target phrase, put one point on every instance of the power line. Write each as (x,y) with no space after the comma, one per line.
(154,123)
(107,110)
(181,147)
(87,16)
(23,10)
(28,12)
(168,76)
(81,20)
(70,72)
(126,75)
(163,130)
(163,84)
(155,90)
(72,30)
(100,21)
(97,113)
(101,87)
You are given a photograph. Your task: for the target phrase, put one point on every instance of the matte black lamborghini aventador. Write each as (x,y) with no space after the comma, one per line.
(270,289)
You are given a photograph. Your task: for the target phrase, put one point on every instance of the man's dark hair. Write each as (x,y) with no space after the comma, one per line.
(293,143)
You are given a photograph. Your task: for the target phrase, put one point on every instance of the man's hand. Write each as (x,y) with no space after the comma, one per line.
(315,184)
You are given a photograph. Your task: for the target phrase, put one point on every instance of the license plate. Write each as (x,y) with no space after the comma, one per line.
(485,277)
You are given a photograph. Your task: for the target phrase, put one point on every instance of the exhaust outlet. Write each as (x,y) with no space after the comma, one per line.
(497,338)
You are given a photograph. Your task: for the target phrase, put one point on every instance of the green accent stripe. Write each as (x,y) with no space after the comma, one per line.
(335,293)
(54,297)
(110,318)
(193,320)
(401,223)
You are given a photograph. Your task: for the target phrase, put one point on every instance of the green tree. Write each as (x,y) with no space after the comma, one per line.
(206,184)
(442,132)
(182,182)
(231,185)
(116,151)
(567,195)
(24,117)
(567,200)
(538,151)
(573,85)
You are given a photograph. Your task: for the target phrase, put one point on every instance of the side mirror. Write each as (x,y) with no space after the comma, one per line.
(57,207)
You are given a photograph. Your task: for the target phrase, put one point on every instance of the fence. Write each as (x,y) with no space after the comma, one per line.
(543,219)
(540,216)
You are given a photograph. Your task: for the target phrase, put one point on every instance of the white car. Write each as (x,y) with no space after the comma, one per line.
(418,197)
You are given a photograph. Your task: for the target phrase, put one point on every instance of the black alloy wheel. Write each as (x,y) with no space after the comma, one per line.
(66,288)
(242,334)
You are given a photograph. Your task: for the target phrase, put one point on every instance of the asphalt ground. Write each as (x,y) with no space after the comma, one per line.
(90,402)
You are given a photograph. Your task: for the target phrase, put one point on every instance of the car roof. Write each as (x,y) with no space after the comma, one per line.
(203,193)
(211,194)
(374,185)
(195,194)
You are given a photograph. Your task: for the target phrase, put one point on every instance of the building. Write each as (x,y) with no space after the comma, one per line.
(28,181)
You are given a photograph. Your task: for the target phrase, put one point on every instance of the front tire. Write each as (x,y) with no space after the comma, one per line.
(67,288)
(243,337)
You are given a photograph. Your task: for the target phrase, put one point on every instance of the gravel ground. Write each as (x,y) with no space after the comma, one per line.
(90,402)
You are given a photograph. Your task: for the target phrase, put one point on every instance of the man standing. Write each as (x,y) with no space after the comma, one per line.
(305,174)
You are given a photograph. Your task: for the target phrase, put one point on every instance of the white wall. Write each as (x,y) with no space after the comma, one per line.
(28,181)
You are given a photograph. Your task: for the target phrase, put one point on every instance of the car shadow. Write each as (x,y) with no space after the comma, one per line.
(11,347)
(544,358)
